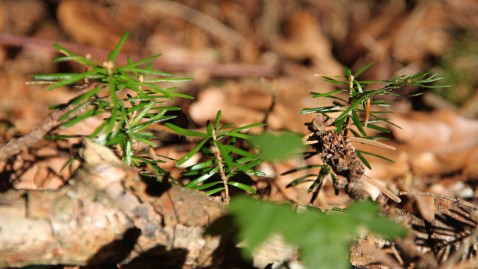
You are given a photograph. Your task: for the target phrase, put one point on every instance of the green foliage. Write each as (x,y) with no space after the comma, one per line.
(221,145)
(355,104)
(357,96)
(277,147)
(128,98)
(323,239)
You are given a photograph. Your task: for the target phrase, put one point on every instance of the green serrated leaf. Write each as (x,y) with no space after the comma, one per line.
(323,239)
(277,147)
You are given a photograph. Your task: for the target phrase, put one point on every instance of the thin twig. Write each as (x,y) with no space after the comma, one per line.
(37,133)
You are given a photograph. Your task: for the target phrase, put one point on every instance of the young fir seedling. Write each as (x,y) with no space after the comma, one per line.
(129,98)
(224,157)
(330,134)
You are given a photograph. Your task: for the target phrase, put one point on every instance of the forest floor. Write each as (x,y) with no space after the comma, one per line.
(245,55)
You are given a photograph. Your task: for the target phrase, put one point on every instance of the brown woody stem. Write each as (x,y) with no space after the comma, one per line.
(222,172)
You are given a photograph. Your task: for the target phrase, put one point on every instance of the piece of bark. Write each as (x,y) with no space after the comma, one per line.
(106,214)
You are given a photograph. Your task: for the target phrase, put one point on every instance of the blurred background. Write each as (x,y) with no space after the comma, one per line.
(230,47)
(226,46)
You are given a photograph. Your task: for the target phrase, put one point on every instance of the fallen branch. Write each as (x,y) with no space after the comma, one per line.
(37,134)
(107,215)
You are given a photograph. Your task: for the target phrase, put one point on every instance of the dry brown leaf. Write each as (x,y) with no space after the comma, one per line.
(238,105)
(430,145)
(463,13)
(96,24)
(423,33)
(16,18)
(306,41)
(248,101)
(426,207)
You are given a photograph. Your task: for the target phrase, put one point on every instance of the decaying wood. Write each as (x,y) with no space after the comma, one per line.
(106,214)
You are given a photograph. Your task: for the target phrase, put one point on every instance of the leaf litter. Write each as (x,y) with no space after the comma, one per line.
(435,161)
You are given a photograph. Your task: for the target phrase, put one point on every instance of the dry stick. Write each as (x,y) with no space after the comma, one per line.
(17,145)
(215,70)
(37,133)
